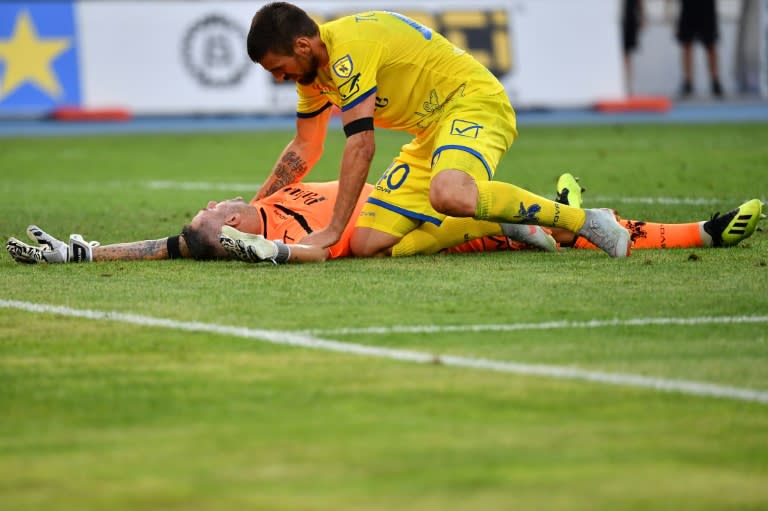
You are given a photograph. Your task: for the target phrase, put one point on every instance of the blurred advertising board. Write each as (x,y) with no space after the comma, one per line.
(188,57)
(764,49)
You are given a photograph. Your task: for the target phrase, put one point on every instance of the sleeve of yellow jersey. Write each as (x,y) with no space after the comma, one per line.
(311,102)
(354,65)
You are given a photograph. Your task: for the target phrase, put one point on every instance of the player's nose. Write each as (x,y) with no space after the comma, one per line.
(212,204)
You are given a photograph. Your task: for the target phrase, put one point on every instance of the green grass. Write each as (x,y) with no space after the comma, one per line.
(106,415)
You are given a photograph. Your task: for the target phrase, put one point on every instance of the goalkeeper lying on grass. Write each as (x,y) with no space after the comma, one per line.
(234,229)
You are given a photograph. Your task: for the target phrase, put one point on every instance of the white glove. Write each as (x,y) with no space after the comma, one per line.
(253,248)
(81,251)
(23,253)
(52,250)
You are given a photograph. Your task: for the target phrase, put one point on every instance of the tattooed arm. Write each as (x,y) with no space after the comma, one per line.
(301,154)
(290,168)
(147,250)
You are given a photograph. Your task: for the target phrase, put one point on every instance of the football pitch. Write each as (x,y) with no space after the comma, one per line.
(517,380)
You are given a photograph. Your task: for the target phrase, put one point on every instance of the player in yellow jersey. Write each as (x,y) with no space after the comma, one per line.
(385,70)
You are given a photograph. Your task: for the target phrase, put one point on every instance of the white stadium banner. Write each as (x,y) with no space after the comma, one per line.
(764,49)
(566,53)
(181,57)
(169,57)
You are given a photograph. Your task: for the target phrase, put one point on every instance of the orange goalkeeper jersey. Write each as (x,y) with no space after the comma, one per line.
(302,208)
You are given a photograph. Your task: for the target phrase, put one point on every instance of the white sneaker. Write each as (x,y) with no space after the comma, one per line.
(602,229)
(533,235)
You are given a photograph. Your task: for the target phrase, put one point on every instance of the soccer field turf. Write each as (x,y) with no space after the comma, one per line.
(565,381)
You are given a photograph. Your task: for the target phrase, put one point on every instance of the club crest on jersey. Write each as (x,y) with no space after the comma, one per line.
(528,215)
(466,129)
(343,67)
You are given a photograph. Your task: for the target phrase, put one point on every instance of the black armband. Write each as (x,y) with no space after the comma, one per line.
(358,125)
(174,251)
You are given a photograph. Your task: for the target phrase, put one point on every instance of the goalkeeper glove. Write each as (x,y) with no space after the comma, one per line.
(51,250)
(253,248)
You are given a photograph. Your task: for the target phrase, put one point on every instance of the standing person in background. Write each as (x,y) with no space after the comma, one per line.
(631,23)
(698,22)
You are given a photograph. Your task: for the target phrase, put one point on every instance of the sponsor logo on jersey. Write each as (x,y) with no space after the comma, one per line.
(467,129)
(350,87)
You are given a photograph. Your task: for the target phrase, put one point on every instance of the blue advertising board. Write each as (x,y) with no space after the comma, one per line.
(38,57)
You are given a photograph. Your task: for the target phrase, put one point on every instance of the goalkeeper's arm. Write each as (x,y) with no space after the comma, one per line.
(52,250)
(147,250)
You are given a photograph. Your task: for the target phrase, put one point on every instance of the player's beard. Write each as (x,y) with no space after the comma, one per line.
(311,73)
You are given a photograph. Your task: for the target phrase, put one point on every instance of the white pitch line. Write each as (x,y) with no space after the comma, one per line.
(200,185)
(547,325)
(670,201)
(308,341)
(605,200)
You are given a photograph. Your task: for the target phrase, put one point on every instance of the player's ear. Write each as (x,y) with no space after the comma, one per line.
(232,219)
(302,46)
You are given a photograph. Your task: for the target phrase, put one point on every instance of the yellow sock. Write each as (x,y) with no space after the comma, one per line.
(430,239)
(504,202)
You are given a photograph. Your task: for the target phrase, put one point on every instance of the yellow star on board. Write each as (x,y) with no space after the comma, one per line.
(28,58)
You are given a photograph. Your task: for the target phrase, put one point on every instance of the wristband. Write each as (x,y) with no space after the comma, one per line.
(283,253)
(174,251)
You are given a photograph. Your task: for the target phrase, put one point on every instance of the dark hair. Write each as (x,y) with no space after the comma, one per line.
(275,27)
(200,244)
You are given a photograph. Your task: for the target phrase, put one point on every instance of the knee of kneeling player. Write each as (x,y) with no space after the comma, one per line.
(453,201)
(367,247)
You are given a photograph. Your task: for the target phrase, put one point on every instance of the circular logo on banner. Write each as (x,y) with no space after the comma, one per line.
(214,53)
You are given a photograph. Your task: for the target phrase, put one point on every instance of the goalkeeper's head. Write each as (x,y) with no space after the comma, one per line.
(201,235)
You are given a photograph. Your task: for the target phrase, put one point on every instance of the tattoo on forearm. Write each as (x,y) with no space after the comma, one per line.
(288,170)
(147,250)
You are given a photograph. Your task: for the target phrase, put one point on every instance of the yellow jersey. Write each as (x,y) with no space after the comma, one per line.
(413,71)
